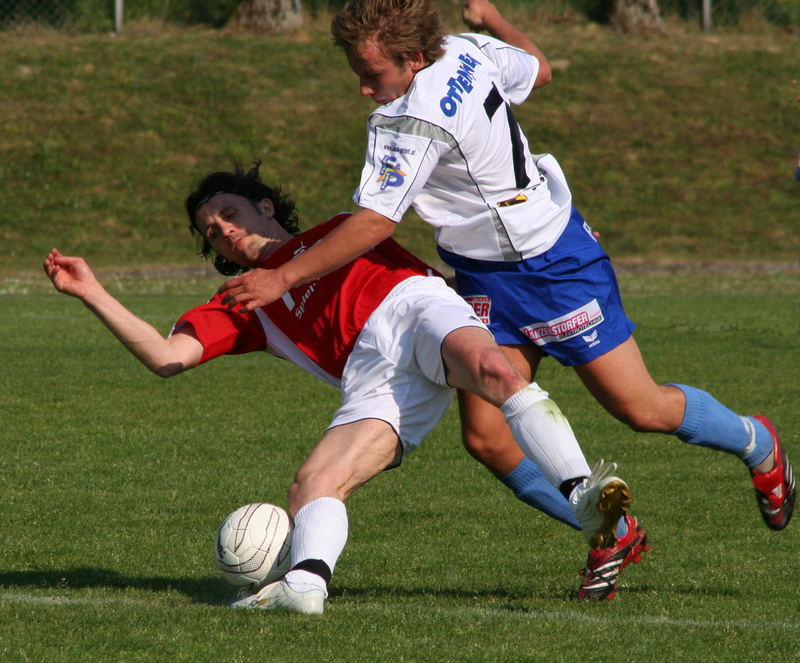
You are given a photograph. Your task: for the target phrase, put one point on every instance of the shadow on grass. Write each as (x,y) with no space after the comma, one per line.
(211,590)
(214,591)
(496,598)
(516,600)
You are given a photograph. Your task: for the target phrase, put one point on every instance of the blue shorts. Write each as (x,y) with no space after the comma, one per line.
(566,300)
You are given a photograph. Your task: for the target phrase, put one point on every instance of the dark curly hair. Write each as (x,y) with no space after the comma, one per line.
(248,185)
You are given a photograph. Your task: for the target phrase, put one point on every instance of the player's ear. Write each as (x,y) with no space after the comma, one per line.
(267,206)
(417,62)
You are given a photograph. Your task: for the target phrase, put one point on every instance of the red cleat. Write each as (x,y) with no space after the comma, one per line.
(775,489)
(604,566)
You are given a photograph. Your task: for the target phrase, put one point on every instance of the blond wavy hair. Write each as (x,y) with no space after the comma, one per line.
(402,28)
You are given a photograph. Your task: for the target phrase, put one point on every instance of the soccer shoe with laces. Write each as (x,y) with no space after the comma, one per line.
(604,566)
(599,502)
(280,596)
(775,489)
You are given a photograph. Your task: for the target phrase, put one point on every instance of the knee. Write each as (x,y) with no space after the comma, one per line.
(662,413)
(640,421)
(498,374)
(478,443)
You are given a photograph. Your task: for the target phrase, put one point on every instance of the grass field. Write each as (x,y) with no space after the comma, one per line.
(114,483)
(681,152)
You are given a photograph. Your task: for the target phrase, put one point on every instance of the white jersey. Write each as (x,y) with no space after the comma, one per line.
(451,148)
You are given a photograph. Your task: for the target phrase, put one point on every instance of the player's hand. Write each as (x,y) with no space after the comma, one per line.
(253,289)
(475,12)
(70,275)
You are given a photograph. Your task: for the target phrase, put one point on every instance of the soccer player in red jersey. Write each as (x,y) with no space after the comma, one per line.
(385,328)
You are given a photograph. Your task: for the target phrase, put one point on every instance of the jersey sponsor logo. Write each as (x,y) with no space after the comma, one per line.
(482,306)
(459,84)
(394,147)
(567,326)
(299,308)
(390,174)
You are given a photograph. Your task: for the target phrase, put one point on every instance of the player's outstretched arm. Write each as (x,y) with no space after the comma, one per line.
(259,287)
(483,15)
(164,356)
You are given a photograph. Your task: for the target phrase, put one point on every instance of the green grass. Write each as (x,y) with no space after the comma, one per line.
(115,481)
(682,147)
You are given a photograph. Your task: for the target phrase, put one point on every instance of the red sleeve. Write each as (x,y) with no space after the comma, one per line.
(222,331)
(400,256)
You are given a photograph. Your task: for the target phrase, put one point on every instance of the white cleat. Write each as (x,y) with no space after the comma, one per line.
(280,596)
(599,502)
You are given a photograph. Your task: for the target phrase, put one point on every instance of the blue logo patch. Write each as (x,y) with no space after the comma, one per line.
(390,174)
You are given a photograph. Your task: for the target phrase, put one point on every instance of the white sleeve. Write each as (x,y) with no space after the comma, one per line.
(396,169)
(518,68)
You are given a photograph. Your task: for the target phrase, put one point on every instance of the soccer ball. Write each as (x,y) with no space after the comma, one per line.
(253,545)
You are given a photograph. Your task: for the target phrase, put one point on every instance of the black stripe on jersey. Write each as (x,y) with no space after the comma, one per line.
(517,150)
(492,102)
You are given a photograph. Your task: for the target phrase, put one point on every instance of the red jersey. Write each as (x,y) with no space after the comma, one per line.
(314,325)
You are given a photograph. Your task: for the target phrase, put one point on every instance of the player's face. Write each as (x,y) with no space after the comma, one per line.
(239,229)
(380,77)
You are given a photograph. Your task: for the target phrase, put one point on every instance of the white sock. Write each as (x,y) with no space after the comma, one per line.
(320,532)
(544,435)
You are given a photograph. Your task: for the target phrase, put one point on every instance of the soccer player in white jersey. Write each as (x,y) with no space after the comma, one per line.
(383,327)
(444,139)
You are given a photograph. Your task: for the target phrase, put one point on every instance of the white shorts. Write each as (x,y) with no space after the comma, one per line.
(395,372)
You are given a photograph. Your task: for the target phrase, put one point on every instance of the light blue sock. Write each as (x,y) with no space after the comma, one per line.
(530,486)
(708,423)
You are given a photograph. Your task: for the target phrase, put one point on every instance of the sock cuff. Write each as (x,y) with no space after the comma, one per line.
(522,474)
(523,399)
(326,505)
(693,413)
